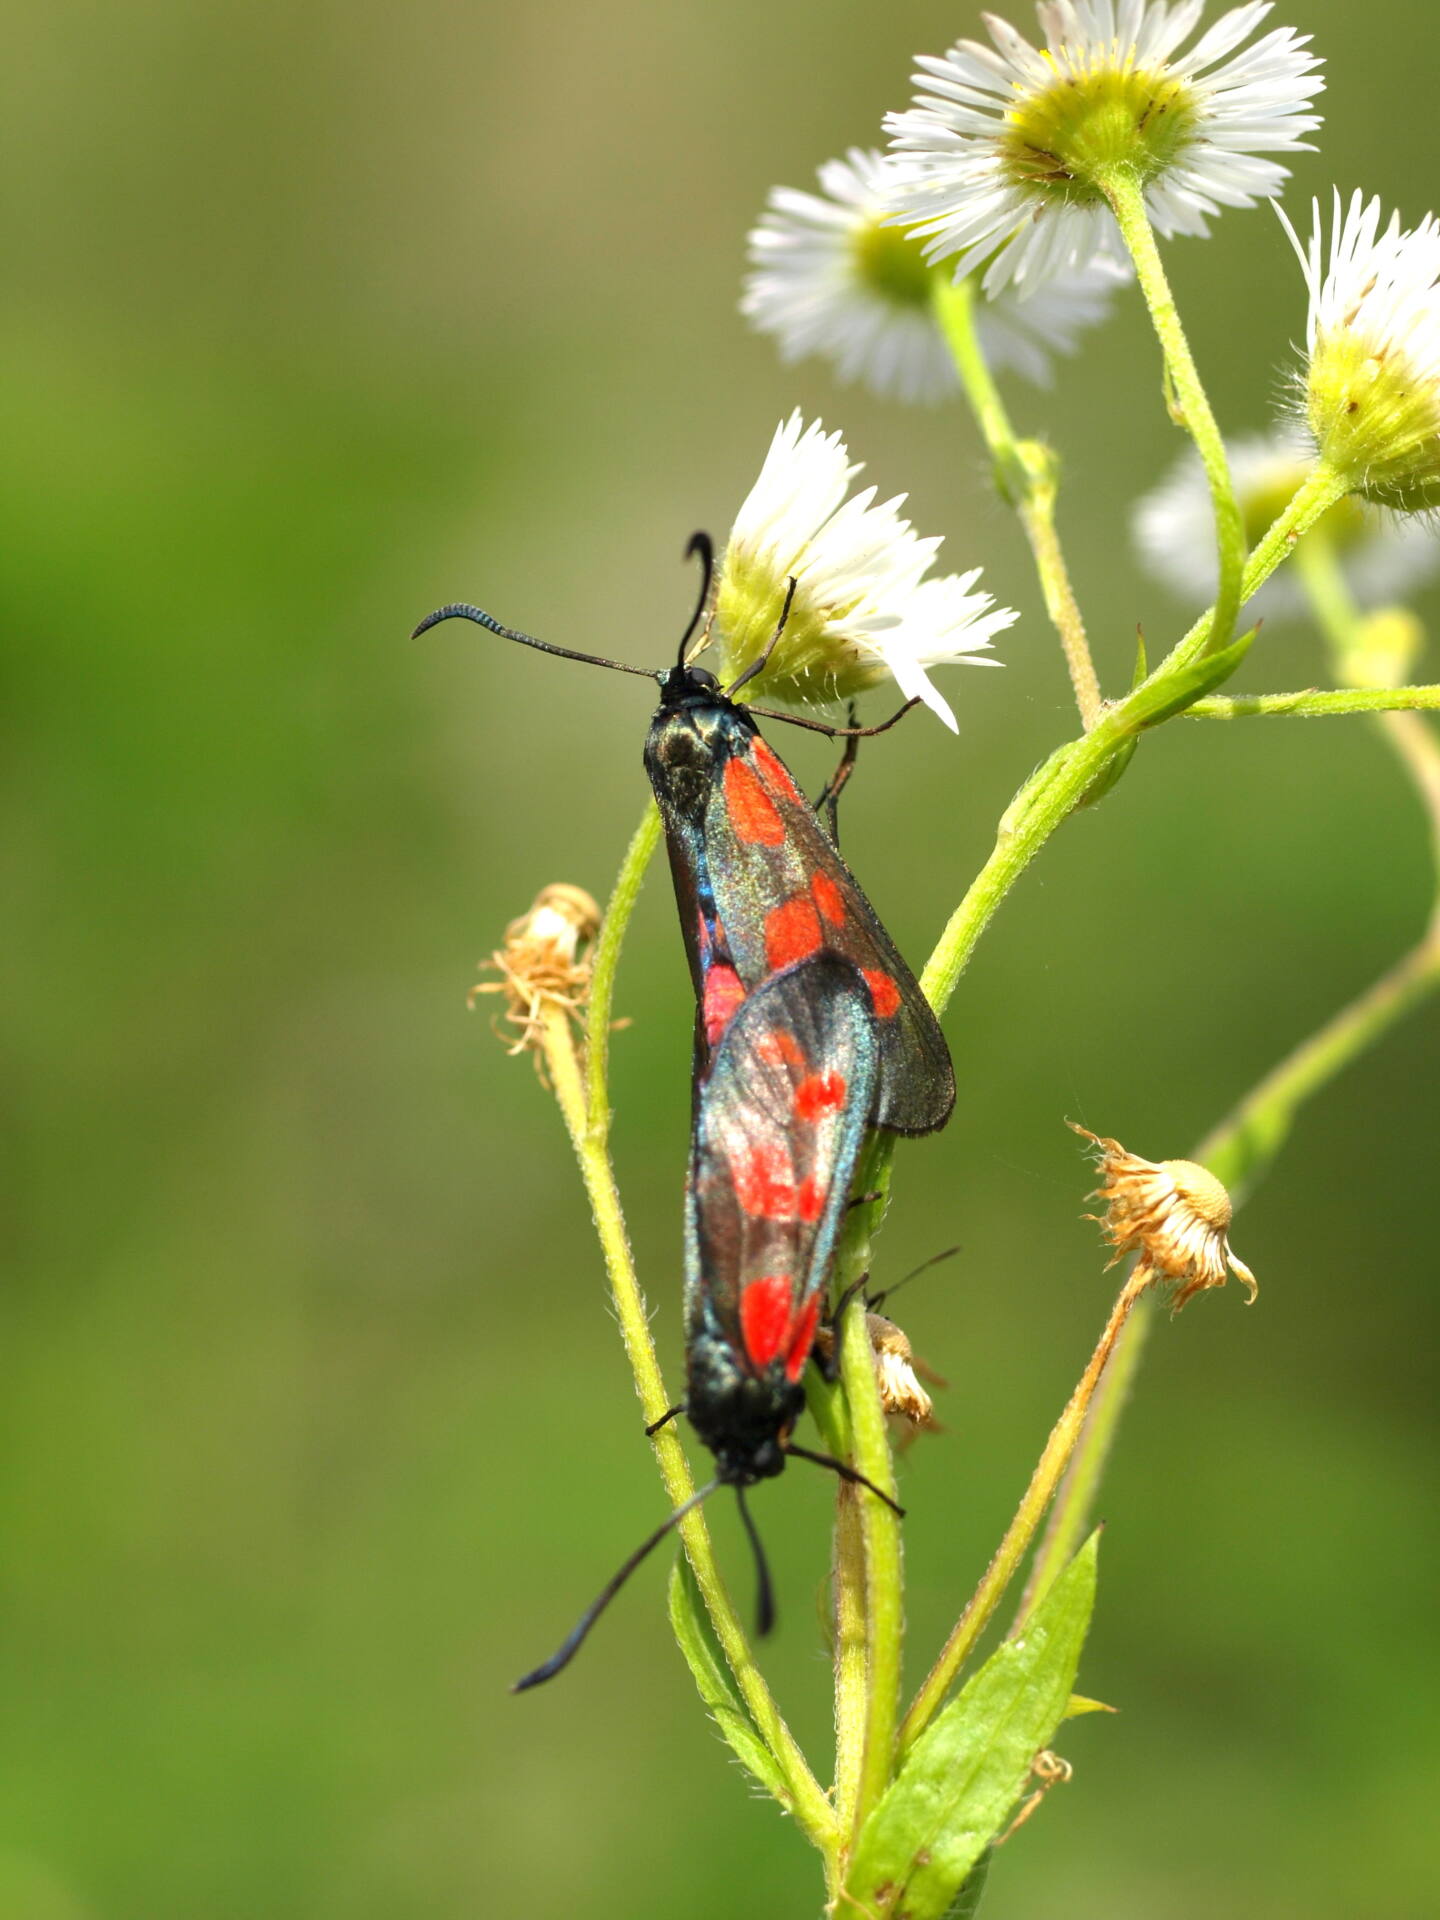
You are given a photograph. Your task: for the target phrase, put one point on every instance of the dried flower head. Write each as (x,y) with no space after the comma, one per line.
(543,964)
(897,1374)
(1172,1214)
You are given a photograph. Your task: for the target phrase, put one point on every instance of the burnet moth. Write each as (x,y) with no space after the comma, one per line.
(758,882)
(779,1124)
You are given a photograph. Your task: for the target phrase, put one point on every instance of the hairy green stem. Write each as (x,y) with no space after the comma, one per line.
(884,1573)
(1034,1504)
(1241,1148)
(1027,477)
(807,1799)
(1320,490)
(1238,1152)
(1126,195)
(1313,703)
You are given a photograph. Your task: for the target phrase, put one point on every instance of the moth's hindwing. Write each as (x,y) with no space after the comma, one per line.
(778,1129)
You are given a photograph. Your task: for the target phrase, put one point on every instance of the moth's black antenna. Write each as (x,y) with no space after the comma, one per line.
(914,1274)
(567,1650)
(845,1473)
(460,610)
(702,544)
(759,665)
(764,1592)
(835,733)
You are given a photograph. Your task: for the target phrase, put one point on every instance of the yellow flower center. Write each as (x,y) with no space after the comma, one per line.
(811,665)
(1063,141)
(890,263)
(1376,419)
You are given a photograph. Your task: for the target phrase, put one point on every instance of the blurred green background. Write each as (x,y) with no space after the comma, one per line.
(314,1426)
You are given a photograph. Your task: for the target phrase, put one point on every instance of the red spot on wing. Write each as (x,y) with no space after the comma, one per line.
(724,995)
(802,1339)
(752,812)
(829,898)
(820,1093)
(765,1317)
(765,1180)
(792,932)
(810,1199)
(775,771)
(780,1048)
(884,992)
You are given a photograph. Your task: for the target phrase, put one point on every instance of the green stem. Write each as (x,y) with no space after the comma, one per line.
(1064,1437)
(1126,195)
(884,1575)
(808,1801)
(1241,1148)
(1317,704)
(1321,488)
(1238,1152)
(1026,475)
(1247,1140)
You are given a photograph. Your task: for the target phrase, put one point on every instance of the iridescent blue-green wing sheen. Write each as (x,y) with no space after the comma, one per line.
(760,885)
(778,1131)
(783,892)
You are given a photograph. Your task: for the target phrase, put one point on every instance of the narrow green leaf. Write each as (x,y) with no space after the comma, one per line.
(967,1902)
(1078,1704)
(1188,684)
(705,1661)
(966,1771)
(1142,668)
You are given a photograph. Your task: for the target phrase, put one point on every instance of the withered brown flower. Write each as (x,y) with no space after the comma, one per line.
(544,963)
(1172,1214)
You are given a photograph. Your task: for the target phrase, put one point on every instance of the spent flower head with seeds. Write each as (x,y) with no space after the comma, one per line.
(1005,154)
(544,965)
(829,276)
(1371,385)
(1173,1215)
(863,611)
(1383,555)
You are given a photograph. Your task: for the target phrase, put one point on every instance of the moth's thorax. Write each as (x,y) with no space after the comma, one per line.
(690,739)
(743,1417)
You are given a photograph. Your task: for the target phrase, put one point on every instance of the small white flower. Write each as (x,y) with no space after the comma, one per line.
(1006,149)
(829,276)
(1372,385)
(863,610)
(1382,554)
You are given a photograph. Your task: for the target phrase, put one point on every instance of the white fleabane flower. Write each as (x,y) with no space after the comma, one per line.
(1372,383)
(1005,153)
(829,276)
(863,611)
(1382,555)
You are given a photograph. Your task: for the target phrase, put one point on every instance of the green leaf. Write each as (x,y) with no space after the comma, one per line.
(1142,669)
(966,1771)
(703,1656)
(967,1902)
(1078,1704)
(1178,690)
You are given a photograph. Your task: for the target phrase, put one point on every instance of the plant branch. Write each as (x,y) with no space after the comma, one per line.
(807,1801)
(1028,1515)
(1026,474)
(1126,196)
(1313,703)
